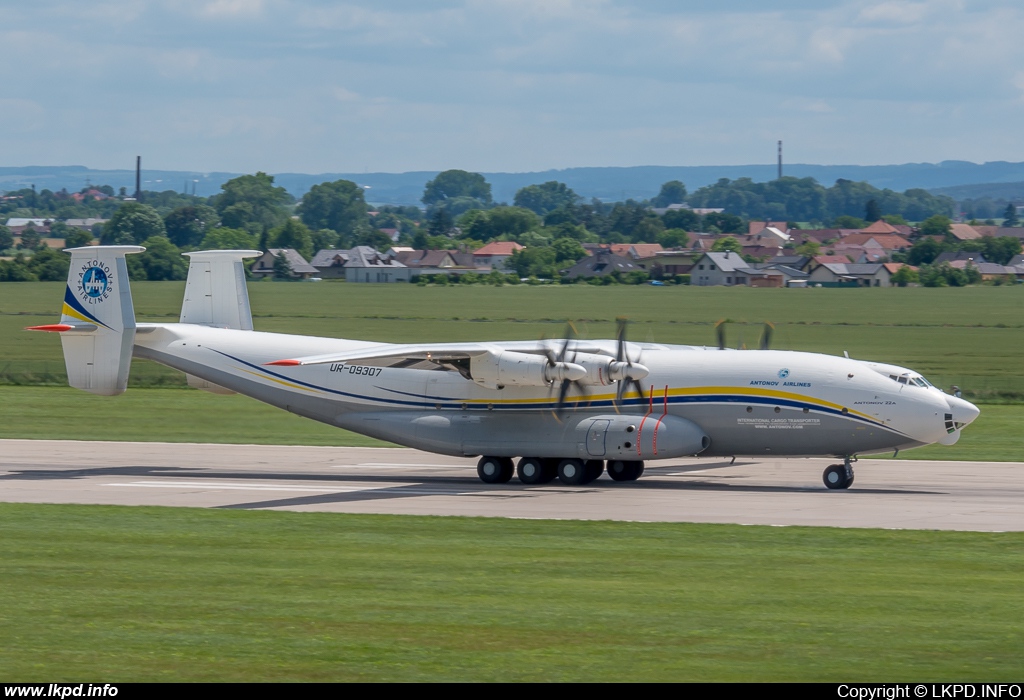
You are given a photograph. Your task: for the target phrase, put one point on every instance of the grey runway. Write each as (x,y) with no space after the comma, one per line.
(911,494)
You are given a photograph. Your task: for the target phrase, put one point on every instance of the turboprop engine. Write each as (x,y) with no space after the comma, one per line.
(501,368)
(603,370)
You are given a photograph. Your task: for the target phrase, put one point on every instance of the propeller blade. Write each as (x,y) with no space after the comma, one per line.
(620,339)
(766,335)
(720,334)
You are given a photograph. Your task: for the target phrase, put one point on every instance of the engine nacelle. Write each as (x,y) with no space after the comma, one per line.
(603,370)
(637,437)
(507,368)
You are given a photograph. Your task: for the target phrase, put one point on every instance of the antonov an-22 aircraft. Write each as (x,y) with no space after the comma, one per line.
(568,409)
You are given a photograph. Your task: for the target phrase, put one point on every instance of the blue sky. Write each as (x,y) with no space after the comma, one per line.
(507,85)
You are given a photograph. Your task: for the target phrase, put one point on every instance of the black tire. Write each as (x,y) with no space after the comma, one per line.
(638,469)
(627,470)
(494,470)
(572,472)
(835,477)
(592,469)
(618,470)
(531,470)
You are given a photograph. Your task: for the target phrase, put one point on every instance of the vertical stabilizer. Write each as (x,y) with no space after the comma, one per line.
(215,293)
(98,319)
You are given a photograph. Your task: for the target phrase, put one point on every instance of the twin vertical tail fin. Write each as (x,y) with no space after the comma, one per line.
(97,321)
(215,293)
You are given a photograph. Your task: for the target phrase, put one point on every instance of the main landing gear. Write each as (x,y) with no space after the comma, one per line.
(541,470)
(839,476)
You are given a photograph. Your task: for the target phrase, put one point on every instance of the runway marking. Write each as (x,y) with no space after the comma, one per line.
(247,487)
(401,465)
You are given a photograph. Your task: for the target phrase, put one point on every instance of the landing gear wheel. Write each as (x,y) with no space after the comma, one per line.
(572,472)
(494,470)
(621,470)
(532,470)
(837,476)
(592,469)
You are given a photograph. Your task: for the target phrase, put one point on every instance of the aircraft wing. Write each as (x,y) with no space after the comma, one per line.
(437,354)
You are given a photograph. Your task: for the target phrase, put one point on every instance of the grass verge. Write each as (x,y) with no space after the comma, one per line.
(152,594)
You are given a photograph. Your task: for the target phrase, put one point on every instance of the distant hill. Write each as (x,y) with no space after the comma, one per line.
(1007,191)
(637,182)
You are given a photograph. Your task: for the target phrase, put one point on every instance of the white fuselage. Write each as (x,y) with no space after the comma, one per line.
(744,402)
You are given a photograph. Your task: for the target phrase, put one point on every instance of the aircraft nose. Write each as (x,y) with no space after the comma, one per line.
(964,412)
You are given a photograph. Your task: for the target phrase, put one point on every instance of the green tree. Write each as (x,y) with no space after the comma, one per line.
(904,276)
(937,225)
(6,238)
(673,238)
(223,238)
(282,270)
(847,221)
(924,252)
(162,260)
(187,226)
(30,238)
(375,239)
(441,223)
(811,248)
(132,223)
(534,262)
(339,206)
(681,218)
(895,220)
(871,211)
(252,202)
(77,238)
(1000,249)
(545,198)
(16,270)
(726,243)
(293,234)
(1010,217)
(49,265)
(672,192)
(452,184)
(724,222)
(568,250)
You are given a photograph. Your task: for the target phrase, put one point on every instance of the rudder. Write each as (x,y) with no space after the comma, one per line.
(97,323)
(215,292)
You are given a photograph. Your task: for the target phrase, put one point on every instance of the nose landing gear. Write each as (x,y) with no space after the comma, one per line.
(839,476)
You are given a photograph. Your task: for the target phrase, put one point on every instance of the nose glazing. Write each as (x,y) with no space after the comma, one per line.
(964,412)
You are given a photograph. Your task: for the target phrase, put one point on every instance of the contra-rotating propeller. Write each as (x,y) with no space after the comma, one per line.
(627,371)
(559,360)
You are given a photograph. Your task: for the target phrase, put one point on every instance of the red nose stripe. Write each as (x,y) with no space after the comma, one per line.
(283,363)
(52,328)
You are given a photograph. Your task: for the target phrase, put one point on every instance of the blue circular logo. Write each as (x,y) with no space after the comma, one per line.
(95,282)
(783,373)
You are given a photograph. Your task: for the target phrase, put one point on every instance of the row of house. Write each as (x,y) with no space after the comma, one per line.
(398,264)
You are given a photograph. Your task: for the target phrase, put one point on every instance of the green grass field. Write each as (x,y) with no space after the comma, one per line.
(143,594)
(971,337)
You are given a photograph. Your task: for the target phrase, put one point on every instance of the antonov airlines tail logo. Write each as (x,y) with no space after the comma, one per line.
(94,283)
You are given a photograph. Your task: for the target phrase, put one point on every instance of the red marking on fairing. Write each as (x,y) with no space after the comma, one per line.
(654,442)
(51,328)
(640,430)
(283,363)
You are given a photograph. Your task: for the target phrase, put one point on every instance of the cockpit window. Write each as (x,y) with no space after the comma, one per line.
(915,380)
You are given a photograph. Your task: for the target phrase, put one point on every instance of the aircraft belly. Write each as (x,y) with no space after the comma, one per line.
(734,431)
